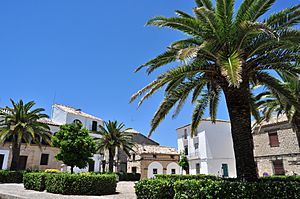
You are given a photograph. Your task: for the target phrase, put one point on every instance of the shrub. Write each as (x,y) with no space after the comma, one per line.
(129,176)
(35,181)
(175,177)
(75,184)
(280,178)
(7,176)
(52,171)
(154,189)
(193,189)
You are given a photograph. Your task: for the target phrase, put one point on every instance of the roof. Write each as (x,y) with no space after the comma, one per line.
(206,120)
(49,122)
(274,120)
(135,132)
(155,149)
(75,111)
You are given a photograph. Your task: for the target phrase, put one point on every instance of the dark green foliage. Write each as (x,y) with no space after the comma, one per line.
(154,189)
(35,181)
(129,176)
(76,184)
(176,177)
(280,179)
(11,176)
(183,162)
(76,145)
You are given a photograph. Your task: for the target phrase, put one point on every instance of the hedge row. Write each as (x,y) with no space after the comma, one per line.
(7,176)
(71,184)
(206,188)
(175,177)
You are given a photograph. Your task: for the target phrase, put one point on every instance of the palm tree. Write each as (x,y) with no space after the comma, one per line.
(225,52)
(270,102)
(114,136)
(21,124)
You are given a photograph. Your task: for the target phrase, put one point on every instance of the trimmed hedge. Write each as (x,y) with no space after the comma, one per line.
(195,189)
(75,184)
(35,181)
(280,179)
(7,176)
(129,176)
(175,177)
(154,189)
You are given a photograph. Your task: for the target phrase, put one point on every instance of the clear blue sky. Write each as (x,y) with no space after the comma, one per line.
(85,52)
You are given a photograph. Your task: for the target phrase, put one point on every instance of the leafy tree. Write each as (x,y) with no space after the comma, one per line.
(225,52)
(113,136)
(271,102)
(20,123)
(76,145)
(184,163)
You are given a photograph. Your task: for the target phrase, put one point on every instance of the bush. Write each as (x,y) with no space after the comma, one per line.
(7,176)
(35,181)
(154,189)
(193,189)
(129,176)
(52,171)
(280,178)
(75,184)
(175,177)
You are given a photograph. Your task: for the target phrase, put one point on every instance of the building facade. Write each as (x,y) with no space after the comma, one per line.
(276,148)
(210,150)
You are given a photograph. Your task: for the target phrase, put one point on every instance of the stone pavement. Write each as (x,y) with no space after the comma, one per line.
(125,190)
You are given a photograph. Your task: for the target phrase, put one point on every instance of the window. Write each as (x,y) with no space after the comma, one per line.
(196,133)
(273,138)
(197,168)
(77,121)
(278,167)
(133,169)
(185,134)
(196,145)
(154,156)
(44,159)
(1,160)
(154,171)
(186,150)
(94,126)
(225,170)
(133,157)
(173,171)
(91,165)
(172,156)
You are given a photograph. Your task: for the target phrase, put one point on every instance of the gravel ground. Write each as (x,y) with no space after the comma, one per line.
(125,190)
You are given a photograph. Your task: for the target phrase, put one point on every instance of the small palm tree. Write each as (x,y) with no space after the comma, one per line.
(114,136)
(271,102)
(225,52)
(21,124)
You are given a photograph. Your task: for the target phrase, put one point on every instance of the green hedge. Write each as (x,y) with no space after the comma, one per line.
(129,176)
(280,178)
(7,176)
(175,177)
(75,184)
(154,189)
(195,189)
(35,181)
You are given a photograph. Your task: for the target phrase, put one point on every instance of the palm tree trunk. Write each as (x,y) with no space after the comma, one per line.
(237,100)
(111,160)
(16,148)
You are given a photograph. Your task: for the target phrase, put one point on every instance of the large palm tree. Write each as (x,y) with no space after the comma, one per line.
(20,123)
(270,102)
(114,136)
(225,52)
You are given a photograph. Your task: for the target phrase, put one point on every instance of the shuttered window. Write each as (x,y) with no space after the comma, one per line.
(273,138)
(278,167)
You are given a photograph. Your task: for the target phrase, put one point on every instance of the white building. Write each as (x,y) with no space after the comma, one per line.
(210,151)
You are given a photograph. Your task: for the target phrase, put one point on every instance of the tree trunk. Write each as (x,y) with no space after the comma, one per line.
(237,100)
(111,160)
(16,148)
(72,169)
(296,124)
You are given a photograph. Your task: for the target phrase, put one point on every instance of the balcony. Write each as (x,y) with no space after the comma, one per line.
(195,155)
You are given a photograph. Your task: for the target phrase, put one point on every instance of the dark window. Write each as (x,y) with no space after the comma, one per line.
(186,150)
(94,126)
(154,171)
(197,168)
(133,157)
(44,159)
(273,138)
(91,165)
(173,171)
(77,121)
(133,169)
(185,134)
(225,170)
(278,167)
(196,145)
(154,156)
(172,156)
(1,161)
(22,162)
